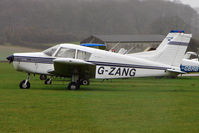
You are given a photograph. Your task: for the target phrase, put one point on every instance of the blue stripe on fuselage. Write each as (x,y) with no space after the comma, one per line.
(127,65)
(43,60)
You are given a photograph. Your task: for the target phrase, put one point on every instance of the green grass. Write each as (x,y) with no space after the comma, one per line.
(119,106)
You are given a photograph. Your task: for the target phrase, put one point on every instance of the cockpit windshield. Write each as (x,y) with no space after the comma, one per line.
(194,56)
(191,55)
(66,53)
(51,51)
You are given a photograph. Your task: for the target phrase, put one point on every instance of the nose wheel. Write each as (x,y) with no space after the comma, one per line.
(25,84)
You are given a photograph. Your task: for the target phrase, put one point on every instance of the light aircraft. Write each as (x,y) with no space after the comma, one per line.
(82,63)
(190,63)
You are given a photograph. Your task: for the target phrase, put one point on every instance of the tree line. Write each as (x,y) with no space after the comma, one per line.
(36,22)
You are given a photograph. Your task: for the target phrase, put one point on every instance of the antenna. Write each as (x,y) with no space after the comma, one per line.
(114,46)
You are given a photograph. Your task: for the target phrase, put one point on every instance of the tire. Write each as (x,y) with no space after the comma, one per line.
(85,82)
(43,77)
(73,86)
(22,85)
(48,82)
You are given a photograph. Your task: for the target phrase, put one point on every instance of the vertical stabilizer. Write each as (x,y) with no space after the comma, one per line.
(171,51)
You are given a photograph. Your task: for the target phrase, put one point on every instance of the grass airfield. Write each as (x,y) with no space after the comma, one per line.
(119,106)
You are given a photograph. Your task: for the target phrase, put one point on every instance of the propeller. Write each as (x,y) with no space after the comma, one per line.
(10,58)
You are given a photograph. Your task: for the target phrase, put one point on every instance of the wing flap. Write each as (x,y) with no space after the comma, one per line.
(71,61)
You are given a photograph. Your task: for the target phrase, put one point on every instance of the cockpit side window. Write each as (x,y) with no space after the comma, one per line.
(66,53)
(82,55)
(50,51)
(193,56)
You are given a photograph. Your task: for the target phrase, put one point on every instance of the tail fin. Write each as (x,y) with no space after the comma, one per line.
(168,38)
(171,51)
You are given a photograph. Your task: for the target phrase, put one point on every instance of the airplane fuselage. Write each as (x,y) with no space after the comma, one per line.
(108,64)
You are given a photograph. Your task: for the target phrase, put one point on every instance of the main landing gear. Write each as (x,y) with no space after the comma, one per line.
(76,82)
(43,77)
(25,84)
(84,81)
(48,81)
(73,86)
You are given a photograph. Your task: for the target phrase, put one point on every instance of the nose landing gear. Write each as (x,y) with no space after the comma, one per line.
(25,84)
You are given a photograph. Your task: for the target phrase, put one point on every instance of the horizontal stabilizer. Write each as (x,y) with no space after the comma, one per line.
(176,71)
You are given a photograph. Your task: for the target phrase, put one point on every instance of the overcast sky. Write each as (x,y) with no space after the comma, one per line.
(193,3)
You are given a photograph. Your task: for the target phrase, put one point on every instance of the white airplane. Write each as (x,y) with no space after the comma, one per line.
(82,63)
(190,63)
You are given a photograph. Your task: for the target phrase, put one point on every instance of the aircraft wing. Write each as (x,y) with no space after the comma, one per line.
(68,66)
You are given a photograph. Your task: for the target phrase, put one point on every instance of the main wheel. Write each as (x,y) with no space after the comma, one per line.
(48,81)
(43,77)
(85,82)
(24,85)
(73,86)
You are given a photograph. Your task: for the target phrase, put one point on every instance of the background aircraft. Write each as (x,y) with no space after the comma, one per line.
(82,63)
(190,63)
